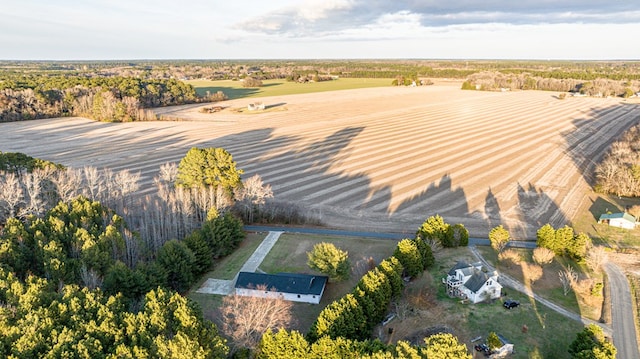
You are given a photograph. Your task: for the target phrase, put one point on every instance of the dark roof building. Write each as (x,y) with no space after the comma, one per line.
(292,286)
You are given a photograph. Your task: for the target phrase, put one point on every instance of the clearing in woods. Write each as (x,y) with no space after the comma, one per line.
(378,159)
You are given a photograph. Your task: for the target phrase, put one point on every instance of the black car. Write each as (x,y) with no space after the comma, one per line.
(484,348)
(509,304)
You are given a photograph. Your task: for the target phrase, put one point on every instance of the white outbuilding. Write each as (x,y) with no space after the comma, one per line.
(294,287)
(621,219)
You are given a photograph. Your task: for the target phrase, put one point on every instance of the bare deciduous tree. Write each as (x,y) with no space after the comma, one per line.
(10,193)
(252,195)
(245,319)
(67,183)
(568,278)
(168,172)
(543,255)
(597,257)
(532,272)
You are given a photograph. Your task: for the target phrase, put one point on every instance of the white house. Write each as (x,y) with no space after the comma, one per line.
(622,220)
(288,286)
(469,281)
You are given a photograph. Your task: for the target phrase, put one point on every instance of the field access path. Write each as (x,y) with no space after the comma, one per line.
(378,158)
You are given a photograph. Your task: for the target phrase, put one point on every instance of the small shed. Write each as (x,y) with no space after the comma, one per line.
(504,350)
(621,219)
(294,287)
(255,106)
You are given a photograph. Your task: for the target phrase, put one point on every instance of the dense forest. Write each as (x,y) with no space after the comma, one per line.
(122,91)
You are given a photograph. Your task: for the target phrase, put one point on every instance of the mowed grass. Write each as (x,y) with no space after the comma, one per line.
(547,335)
(586,221)
(549,285)
(289,254)
(535,330)
(234,89)
(227,267)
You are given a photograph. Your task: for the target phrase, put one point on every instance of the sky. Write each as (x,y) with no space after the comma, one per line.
(319,29)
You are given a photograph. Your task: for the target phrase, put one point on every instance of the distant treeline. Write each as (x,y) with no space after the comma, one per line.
(32,96)
(603,87)
(121,90)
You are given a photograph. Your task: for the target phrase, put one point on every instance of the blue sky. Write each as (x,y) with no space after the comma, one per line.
(322,29)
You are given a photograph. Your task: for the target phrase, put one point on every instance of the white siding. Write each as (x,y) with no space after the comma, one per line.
(303,298)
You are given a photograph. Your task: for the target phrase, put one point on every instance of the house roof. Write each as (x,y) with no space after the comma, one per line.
(466,268)
(619,215)
(477,280)
(283,282)
(459,265)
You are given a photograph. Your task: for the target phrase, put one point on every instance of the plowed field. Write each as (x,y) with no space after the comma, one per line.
(380,159)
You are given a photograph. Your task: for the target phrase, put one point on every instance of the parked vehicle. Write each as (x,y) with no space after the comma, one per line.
(484,348)
(510,303)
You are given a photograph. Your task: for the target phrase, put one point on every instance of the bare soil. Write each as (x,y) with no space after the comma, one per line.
(378,159)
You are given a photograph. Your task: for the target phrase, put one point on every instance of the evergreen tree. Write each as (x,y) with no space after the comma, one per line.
(178,261)
(392,268)
(203,254)
(208,167)
(434,229)
(546,237)
(591,343)
(282,344)
(564,239)
(444,346)
(425,253)
(499,237)
(407,253)
(459,235)
(330,260)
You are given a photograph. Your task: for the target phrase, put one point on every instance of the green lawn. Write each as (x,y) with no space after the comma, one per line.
(547,333)
(289,254)
(586,221)
(234,89)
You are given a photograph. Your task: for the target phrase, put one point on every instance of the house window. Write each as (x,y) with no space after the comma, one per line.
(489,282)
(298,295)
(314,297)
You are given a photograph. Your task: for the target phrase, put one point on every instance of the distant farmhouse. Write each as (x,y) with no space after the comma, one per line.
(469,281)
(289,286)
(621,219)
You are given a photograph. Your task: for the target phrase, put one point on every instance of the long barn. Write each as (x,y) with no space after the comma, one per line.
(288,286)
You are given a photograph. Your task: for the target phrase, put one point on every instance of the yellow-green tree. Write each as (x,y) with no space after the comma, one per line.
(330,260)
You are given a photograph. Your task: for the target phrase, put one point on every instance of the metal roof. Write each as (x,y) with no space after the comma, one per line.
(283,282)
(622,215)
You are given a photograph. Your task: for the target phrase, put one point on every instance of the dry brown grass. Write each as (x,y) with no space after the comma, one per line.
(352,157)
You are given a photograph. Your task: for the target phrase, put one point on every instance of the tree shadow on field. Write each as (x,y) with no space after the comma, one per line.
(535,209)
(492,210)
(455,198)
(601,206)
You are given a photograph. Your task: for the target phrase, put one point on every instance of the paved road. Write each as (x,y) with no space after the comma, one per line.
(381,235)
(624,329)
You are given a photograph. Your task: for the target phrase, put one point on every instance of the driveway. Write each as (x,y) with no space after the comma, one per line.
(623,326)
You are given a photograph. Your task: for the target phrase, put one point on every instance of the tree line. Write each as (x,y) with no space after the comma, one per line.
(597,86)
(354,315)
(619,171)
(113,99)
(80,263)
